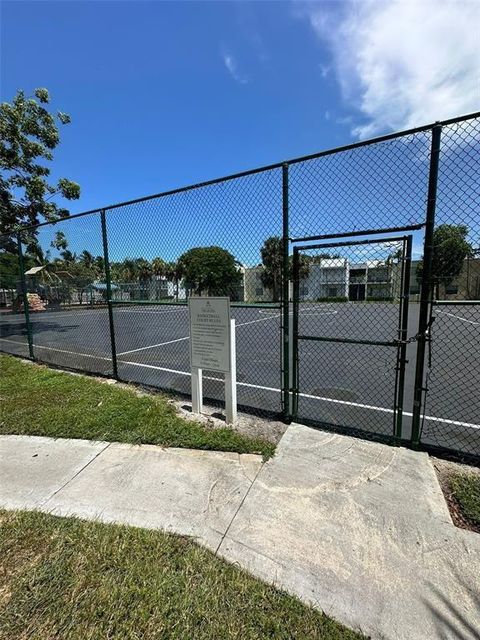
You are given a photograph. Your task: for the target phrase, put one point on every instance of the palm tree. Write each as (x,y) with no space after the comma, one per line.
(144,270)
(159,267)
(130,270)
(86,259)
(36,253)
(99,265)
(68,256)
(174,273)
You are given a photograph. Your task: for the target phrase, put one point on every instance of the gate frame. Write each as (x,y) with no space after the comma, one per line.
(400,343)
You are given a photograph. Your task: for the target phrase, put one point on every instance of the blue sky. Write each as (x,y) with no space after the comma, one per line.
(164,94)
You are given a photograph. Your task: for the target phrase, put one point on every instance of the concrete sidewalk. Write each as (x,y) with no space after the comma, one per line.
(190,492)
(359,529)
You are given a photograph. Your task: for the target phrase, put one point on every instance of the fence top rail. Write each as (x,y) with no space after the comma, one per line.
(348,243)
(453,303)
(150,303)
(249,172)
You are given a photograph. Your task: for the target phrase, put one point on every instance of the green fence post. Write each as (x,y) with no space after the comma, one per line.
(26,309)
(285,295)
(295,318)
(426,285)
(403,333)
(109,293)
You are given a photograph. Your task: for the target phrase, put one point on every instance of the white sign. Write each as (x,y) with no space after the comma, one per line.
(210,334)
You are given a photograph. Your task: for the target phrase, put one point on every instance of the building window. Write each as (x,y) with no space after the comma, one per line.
(332,292)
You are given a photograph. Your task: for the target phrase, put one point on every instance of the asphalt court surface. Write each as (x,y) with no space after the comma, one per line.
(343,384)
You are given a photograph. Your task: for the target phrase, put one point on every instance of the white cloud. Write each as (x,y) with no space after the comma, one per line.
(403,63)
(232,67)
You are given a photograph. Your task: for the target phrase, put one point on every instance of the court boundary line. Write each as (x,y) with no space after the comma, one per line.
(162,344)
(255,386)
(452,315)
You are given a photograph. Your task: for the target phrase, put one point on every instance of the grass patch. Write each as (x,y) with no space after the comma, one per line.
(39,401)
(465,489)
(70,579)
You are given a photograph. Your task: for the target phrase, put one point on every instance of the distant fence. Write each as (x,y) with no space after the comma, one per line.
(112,301)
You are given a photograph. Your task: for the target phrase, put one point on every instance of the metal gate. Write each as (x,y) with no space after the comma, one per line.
(349,350)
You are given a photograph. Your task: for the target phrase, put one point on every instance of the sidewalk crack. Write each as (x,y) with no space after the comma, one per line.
(239,507)
(75,475)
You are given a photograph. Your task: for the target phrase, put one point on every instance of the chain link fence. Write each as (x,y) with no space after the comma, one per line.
(106,291)
(452,412)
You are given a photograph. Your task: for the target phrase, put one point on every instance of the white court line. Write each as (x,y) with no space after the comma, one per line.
(452,315)
(73,353)
(152,346)
(162,344)
(306,395)
(256,386)
(15,342)
(159,313)
(302,311)
(49,315)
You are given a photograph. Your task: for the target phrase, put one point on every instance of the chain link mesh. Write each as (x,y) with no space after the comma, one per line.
(152,247)
(13,323)
(377,186)
(453,399)
(227,237)
(349,303)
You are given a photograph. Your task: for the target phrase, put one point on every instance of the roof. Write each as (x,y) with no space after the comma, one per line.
(33,270)
(101,286)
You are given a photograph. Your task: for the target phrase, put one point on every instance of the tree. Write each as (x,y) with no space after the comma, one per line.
(450,248)
(59,241)
(174,273)
(272,260)
(159,267)
(210,269)
(317,259)
(99,265)
(80,278)
(87,259)
(129,270)
(144,270)
(28,135)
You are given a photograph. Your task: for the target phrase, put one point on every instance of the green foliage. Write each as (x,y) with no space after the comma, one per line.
(28,135)
(272,260)
(450,248)
(68,579)
(59,241)
(159,267)
(68,406)
(10,269)
(135,270)
(466,489)
(333,299)
(210,270)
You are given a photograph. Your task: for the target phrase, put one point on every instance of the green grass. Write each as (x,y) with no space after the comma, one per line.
(466,490)
(35,400)
(62,578)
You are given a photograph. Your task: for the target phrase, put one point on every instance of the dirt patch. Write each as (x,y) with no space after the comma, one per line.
(445,469)
(247,425)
